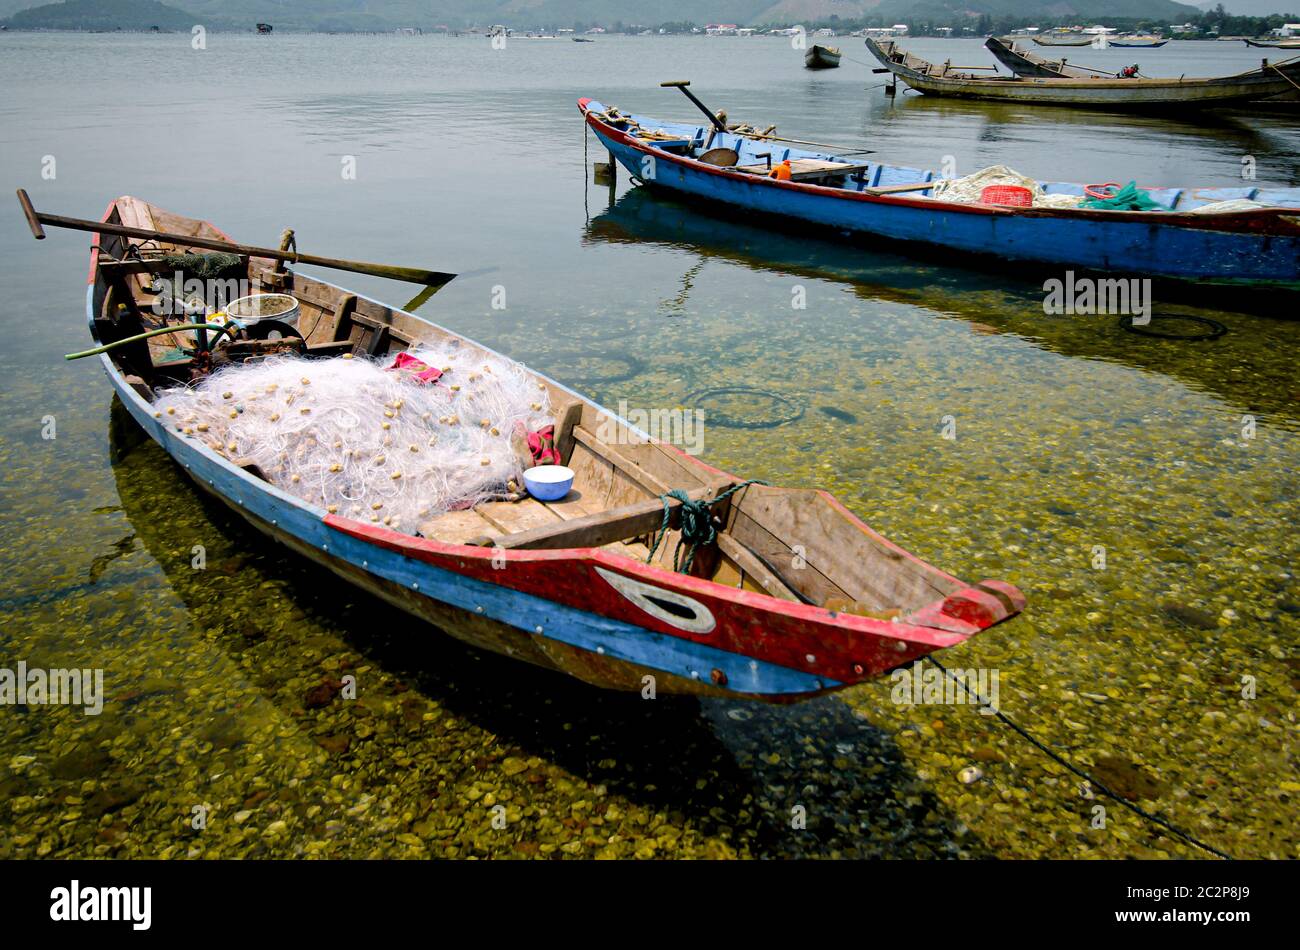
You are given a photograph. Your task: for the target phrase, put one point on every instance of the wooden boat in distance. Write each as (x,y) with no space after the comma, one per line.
(835,193)
(795,598)
(1136,42)
(822,57)
(1023,62)
(1098,92)
(1279,44)
(1069,40)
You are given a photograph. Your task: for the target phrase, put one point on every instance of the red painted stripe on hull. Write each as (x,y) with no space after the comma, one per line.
(843,647)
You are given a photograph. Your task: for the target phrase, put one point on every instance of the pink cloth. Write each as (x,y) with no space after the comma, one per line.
(406,363)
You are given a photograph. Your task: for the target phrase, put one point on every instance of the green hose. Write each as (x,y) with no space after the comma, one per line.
(219,328)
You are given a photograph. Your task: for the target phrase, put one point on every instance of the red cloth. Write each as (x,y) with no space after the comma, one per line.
(406,363)
(541,444)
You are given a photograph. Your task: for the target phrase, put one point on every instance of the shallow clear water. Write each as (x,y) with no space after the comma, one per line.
(1070,434)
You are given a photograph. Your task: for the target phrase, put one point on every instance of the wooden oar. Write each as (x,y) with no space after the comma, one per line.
(415,275)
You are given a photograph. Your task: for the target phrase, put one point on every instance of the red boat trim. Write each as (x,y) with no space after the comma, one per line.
(838,646)
(94,243)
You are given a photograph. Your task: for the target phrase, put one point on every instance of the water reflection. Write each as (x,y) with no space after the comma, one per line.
(1250,368)
(1011,121)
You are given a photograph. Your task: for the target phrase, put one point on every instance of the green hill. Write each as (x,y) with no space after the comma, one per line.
(103,15)
(531,14)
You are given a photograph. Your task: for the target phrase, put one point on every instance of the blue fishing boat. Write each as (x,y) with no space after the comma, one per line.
(1192,234)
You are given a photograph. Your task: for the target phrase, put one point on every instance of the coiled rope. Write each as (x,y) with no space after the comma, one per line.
(1061,761)
(697,528)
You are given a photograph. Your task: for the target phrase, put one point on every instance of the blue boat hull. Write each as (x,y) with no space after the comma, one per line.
(1132,243)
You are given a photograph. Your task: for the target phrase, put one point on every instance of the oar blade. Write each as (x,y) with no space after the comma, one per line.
(33,219)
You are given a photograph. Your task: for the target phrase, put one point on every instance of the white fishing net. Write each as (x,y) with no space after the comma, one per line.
(365,441)
(969,188)
(1228,206)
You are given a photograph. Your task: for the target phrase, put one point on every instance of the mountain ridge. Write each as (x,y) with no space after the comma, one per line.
(534,14)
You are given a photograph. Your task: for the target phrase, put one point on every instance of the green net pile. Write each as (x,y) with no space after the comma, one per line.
(213,266)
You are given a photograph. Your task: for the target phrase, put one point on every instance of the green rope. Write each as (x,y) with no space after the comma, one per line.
(697,527)
(174,328)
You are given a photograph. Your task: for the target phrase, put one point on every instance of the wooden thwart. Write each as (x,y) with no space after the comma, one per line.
(801,168)
(593,531)
(896,189)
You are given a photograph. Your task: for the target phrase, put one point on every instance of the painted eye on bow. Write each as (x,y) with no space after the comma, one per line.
(674,609)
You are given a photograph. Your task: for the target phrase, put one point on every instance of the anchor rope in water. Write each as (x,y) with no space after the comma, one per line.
(1062,761)
(697,523)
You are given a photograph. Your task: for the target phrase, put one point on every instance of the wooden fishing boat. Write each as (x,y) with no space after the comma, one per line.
(822,57)
(1136,42)
(1069,40)
(1098,92)
(796,597)
(1278,44)
(1258,247)
(1026,63)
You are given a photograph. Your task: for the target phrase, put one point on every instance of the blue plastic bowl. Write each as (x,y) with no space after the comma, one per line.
(548,482)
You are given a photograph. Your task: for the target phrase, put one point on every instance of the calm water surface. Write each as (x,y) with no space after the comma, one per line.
(1072,436)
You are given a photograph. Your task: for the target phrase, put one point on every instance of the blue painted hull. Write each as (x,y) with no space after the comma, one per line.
(1132,243)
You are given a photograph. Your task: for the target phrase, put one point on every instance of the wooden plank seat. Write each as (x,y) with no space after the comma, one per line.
(802,169)
(596,530)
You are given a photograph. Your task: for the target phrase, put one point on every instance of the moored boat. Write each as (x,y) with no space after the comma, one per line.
(1136,41)
(1068,39)
(1023,62)
(1098,92)
(791,597)
(1258,245)
(822,57)
(1273,44)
